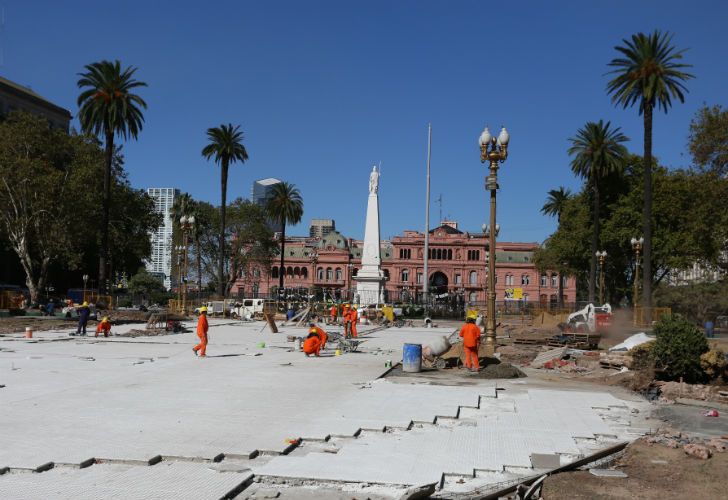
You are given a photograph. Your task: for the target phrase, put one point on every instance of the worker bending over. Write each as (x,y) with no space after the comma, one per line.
(315,341)
(471,342)
(202,328)
(104,326)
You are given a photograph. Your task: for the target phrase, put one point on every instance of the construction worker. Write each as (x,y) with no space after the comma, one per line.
(202,328)
(353,318)
(83,313)
(471,342)
(315,330)
(312,344)
(104,326)
(345,318)
(332,314)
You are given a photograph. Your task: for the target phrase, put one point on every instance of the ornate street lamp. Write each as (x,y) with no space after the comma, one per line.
(85,280)
(602,256)
(495,151)
(186,223)
(637,247)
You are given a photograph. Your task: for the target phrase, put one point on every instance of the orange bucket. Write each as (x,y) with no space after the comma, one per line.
(28,332)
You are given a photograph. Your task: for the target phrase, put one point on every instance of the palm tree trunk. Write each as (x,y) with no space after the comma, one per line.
(199,265)
(647,220)
(594,244)
(283,251)
(105,206)
(221,265)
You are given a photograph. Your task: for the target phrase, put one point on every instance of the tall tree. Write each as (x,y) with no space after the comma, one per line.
(648,72)
(555,202)
(226,147)
(708,140)
(108,107)
(597,153)
(285,206)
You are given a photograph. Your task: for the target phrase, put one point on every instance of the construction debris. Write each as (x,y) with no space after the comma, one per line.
(548,356)
(697,451)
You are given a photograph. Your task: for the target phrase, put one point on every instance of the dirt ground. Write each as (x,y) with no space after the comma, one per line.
(17,324)
(680,477)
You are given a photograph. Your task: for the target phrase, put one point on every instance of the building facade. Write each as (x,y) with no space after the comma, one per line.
(457,269)
(160,261)
(321,227)
(16,97)
(260,193)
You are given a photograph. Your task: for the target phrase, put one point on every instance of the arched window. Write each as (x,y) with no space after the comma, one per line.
(320,274)
(329,273)
(354,272)
(473,297)
(289,272)
(509,279)
(304,272)
(544,280)
(554,280)
(563,281)
(473,277)
(274,272)
(386,273)
(256,273)
(405,274)
(297,272)
(525,279)
(449,254)
(338,274)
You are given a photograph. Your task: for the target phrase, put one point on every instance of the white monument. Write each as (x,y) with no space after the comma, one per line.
(370,278)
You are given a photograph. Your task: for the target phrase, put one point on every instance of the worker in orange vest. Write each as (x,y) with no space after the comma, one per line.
(345,317)
(353,318)
(202,328)
(104,326)
(315,341)
(471,342)
(332,314)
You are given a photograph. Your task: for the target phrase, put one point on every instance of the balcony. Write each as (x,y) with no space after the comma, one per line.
(329,282)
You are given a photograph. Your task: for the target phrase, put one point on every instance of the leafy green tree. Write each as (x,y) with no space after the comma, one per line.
(597,153)
(649,72)
(285,206)
(145,284)
(108,107)
(678,349)
(555,202)
(226,147)
(696,301)
(708,140)
(252,244)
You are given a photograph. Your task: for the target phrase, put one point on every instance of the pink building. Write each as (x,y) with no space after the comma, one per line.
(457,267)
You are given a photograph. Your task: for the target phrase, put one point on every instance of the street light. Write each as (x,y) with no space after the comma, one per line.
(186,223)
(602,256)
(637,247)
(85,280)
(494,151)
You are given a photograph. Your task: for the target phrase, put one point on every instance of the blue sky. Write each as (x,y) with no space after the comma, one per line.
(324,89)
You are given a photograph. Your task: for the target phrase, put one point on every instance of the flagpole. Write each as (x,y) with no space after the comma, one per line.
(426,278)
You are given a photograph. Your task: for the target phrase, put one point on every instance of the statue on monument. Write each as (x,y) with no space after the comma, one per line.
(374,180)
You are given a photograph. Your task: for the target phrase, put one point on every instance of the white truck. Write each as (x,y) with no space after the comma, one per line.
(248,309)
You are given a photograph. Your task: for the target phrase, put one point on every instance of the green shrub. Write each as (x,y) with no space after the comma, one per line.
(678,348)
(643,356)
(713,363)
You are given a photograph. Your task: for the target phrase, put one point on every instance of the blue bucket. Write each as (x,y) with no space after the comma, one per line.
(412,358)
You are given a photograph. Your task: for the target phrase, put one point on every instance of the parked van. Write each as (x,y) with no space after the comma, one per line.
(248,309)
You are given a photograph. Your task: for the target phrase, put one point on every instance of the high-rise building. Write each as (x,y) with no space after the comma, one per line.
(321,227)
(260,194)
(160,262)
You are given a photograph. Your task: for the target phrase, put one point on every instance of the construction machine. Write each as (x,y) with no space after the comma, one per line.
(590,319)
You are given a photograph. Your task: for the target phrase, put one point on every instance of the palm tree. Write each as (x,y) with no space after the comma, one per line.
(285,206)
(226,146)
(107,107)
(555,202)
(597,152)
(649,72)
(554,206)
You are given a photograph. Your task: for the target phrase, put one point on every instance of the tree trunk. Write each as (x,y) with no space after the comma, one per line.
(199,266)
(594,244)
(283,251)
(105,206)
(647,220)
(221,265)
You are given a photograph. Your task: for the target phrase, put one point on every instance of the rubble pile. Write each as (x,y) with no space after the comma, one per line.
(694,446)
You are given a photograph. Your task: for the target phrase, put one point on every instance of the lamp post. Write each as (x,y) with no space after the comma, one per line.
(350,268)
(602,256)
(186,223)
(494,150)
(637,247)
(85,280)
(178,251)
